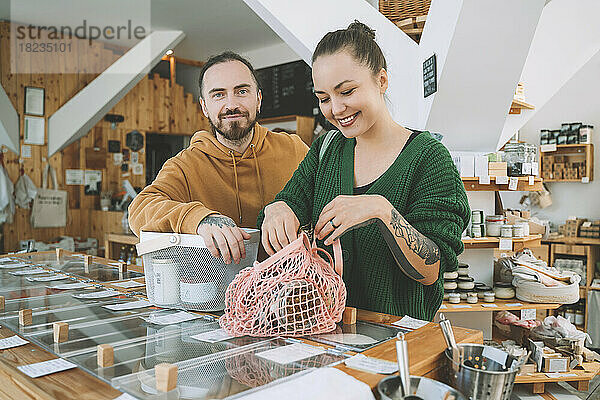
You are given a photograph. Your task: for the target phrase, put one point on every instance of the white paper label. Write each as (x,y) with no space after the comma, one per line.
(169,319)
(526,168)
(218,335)
(461,306)
(495,354)
(137,169)
(501,180)
(489,305)
(410,323)
(429,389)
(484,180)
(14,266)
(25,151)
(531,180)
(125,396)
(47,278)
(513,183)
(372,365)
(97,295)
(443,306)
(10,342)
(528,314)
(36,271)
(74,176)
(505,244)
(117,158)
(291,353)
(548,147)
(128,306)
(68,286)
(128,284)
(46,367)
(586,224)
(535,168)
(556,375)
(585,179)
(514,305)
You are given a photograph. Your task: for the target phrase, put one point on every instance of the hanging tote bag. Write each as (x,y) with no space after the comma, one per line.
(295,292)
(50,205)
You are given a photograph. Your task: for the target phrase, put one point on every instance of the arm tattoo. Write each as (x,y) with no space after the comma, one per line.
(419,244)
(218,220)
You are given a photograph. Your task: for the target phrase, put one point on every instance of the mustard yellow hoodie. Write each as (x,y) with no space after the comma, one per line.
(209,178)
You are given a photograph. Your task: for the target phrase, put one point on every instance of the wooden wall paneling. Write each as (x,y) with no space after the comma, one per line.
(161,104)
(70,160)
(113,172)
(145,104)
(9,80)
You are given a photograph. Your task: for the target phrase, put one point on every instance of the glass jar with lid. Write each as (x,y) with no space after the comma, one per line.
(515,155)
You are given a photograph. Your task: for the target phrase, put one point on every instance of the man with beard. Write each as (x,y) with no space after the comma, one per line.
(225,177)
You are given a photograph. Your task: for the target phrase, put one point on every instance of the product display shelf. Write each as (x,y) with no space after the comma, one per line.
(518,105)
(472,184)
(494,242)
(578,378)
(512,305)
(579,151)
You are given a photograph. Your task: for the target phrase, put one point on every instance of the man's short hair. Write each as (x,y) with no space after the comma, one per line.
(224,57)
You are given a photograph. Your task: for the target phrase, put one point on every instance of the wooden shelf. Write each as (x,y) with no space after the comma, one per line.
(501,305)
(494,242)
(590,371)
(573,240)
(472,184)
(518,105)
(578,152)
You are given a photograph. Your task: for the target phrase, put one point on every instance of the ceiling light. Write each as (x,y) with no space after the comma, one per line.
(169,52)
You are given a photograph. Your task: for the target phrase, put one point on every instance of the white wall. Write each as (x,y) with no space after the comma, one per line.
(578,100)
(271,55)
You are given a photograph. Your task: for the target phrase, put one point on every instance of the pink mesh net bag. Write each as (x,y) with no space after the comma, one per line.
(294,292)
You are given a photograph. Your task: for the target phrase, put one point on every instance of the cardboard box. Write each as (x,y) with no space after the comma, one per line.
(535,228)
(497,169)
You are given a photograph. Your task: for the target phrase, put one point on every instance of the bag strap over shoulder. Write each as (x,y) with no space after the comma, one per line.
(326,142)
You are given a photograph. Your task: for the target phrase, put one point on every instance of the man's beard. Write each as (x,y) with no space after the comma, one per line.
(234,131)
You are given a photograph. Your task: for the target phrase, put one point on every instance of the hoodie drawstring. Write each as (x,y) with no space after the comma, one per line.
(237,189)
(260,184)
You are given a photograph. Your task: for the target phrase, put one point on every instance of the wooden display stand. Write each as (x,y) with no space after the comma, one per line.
(557,165)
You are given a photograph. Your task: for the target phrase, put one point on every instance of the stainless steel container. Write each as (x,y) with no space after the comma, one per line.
(389,389)
(487,378)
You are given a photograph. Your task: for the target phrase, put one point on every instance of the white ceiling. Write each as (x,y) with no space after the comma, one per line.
(211,26)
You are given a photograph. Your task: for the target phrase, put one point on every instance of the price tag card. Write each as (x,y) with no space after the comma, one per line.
(36,271)
(170,319)
(372,365)
(97,295)
(513,183)
(535,168)
(528,314)
(548,147)
(502,180)
(10,342)
(132,305)
(585,179)
(291,353)
(46,367)
(125,396)
(491,305)
(531,180)
(495,354)
(484,180)
(514,305)
(443,306)
(51,278)
(69,286)
(505,244)
(5,259)
(410,323)
(128,284)
(429,389)
(526,168)
(218,335)
(556,375)
(461,306)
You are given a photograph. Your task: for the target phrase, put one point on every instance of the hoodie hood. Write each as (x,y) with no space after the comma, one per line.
(207,143)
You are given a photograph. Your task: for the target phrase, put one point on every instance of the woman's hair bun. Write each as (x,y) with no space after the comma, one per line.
(359,26)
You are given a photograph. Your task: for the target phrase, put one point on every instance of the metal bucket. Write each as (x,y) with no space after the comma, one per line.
(487,379)
(389,389)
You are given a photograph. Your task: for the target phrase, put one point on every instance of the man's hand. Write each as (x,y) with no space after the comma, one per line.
(223,238)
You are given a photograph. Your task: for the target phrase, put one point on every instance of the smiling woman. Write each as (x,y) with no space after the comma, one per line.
(373,180)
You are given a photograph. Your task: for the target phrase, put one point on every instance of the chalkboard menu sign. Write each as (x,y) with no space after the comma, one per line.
(287,89)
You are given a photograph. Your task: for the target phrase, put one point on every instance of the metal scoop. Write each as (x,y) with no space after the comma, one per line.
(403,372)
(450,342)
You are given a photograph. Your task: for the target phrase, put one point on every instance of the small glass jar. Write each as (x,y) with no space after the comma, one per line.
(504,290)
(466,282)
(450,275)
(463,269)
(454,298)
(579,317)
(506,231)
(472,298)
(489,297)
(482,290)
(447,294)
(476,217)
(463,293)
(450,284)
(476,231)
(493,223)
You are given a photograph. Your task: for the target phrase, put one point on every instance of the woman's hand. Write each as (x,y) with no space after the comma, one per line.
(279,228)
(349,212)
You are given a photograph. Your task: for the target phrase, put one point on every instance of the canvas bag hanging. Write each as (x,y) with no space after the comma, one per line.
(50,205)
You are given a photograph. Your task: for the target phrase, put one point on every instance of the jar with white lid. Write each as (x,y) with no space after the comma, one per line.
(506,231)
(489,297)
(454,298)
(472,298)
(165,282)
(493,223)
(504,290)
(450,275)
(466,282)
(518,230)
(450,284)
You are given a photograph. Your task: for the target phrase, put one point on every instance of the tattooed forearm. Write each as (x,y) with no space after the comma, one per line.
(218,220)
(419,244)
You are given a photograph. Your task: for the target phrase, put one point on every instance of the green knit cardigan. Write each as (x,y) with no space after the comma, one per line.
(422,184)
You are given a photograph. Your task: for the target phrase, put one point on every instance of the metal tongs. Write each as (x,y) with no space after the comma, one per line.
(451,342)
(403,372)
